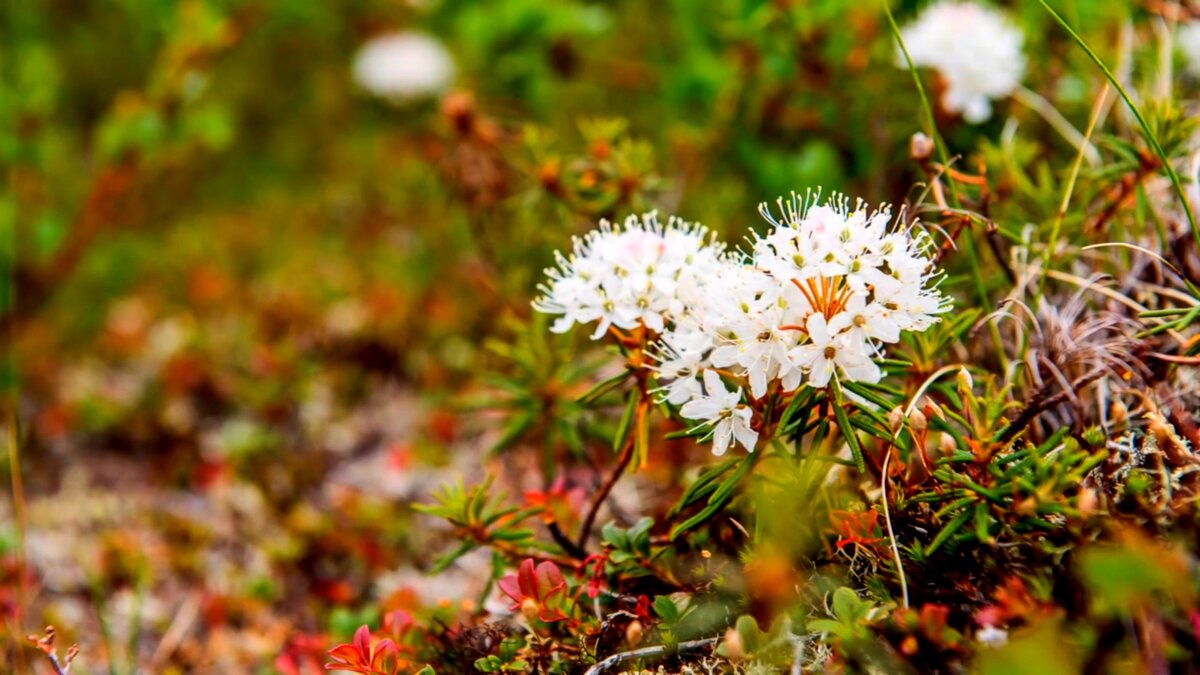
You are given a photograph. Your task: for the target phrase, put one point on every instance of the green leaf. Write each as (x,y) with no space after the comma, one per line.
(513,431)
(747,629)
(845,427)
(983,523)
(718,499)
(703,486)
(464,547)
(846,605)
(823,626)
(948,531)
(666,609)
(635,397)
(600,389)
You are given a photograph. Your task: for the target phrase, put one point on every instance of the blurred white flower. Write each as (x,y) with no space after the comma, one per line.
(975,48)
(990,636)
(1188,40)
(403,66)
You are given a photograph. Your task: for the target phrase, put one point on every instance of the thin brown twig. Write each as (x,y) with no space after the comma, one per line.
(589,520)
(569,547)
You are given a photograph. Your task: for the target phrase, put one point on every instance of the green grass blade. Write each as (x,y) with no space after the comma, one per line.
(1150,138)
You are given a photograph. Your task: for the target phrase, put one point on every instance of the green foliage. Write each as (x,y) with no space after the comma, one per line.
(481,518)
(852,617)
(507,661)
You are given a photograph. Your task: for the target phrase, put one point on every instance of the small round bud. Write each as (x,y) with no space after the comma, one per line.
(734,648)
(633,633)
(917,421)
(920,147)
(1118,413)
(947,445)
(529,609)
(965,384)
(896,419)
(459,108)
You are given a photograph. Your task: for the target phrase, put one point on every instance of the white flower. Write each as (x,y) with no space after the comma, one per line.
(722,408)
(827,350)
(976,49)
(680,361)
(865,321)
(1188,40)
(990,636)
(403,66)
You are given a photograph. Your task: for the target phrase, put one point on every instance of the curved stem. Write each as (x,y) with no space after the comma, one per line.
(887,519)
(589,520)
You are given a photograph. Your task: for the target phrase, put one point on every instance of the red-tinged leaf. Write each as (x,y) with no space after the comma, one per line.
(527,579)
(549,580)
(511,587)
(386,649)
(362,641)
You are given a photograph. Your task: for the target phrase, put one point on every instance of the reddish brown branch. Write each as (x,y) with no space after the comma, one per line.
(589,520)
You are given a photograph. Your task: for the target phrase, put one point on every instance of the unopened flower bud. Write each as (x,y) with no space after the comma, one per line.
(965,384)
(633,633)
(947,445)
(920,147)
(734,648)
(896,419)
(529,609)
(917,421)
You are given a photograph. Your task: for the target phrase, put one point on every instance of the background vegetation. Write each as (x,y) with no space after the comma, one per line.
(254,315)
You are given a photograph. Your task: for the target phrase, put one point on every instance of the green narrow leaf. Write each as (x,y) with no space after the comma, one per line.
(465,547)
(938,143)
(843,420)
(600,389)
(871,395)
(626,420)
(703,486)
(982,523)
(513,431)
(797,401)
(718,499)
(948,531)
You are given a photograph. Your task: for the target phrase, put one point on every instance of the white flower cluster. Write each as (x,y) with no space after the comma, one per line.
(637,274)
(403,66)
(976,49)
(815,298)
